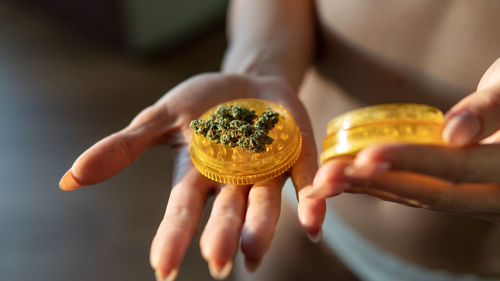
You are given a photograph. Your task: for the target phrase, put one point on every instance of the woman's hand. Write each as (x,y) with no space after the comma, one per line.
(246,212)
(462,177)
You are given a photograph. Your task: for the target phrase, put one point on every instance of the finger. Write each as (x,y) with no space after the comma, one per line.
(473,165)
(427,192)
(264,205)
(330,180)
(116,152)
(180,223)
(311,211)
(464,122)
(495,138)
(491,77)
(219,241)
(473,118)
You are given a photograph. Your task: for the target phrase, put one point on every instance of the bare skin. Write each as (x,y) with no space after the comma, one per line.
(266,59)
(425,51)
(431,52)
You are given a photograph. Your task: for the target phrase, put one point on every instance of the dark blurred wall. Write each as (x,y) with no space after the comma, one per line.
(59,94)
(99,19)
(137,25)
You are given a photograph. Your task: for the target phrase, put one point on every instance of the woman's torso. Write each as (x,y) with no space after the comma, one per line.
(423,51)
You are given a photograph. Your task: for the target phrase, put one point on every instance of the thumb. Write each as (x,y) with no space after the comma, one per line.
(491,77)
(474,118)
(116,152)
(477,115)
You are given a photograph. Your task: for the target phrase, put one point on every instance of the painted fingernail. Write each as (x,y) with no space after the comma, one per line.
(68,182)
(366,170)
(220,273)
(461,129)
(251,265)
(160,276)
(315,238)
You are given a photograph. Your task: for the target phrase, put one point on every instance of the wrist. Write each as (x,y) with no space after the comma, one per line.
(263,63)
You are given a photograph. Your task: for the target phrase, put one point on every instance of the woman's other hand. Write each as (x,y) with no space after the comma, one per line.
(462,177)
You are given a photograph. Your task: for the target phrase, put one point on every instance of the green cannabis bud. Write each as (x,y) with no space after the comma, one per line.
(235,126)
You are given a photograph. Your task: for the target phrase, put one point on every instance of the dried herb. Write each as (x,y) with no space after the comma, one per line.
(235,126)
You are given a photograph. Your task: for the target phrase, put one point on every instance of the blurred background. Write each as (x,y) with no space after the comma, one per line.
(72,72)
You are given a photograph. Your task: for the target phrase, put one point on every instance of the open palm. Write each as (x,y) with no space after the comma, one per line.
(246,212)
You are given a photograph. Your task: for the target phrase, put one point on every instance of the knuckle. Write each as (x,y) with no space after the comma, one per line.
(264,199)
(180,217)
(146,115)
(152,117)
(179,211)
(260,224)
(231,218)
(229,214)
(125,147)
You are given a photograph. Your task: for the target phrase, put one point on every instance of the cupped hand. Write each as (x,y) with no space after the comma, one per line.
(246,212)
(461,177)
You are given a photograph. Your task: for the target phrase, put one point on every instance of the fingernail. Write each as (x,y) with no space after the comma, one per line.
(366,170)
(251,265)
(160,276)
(461,129)
(326,191)
(221,273)
(316,237)
(68,182)
(388,196)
